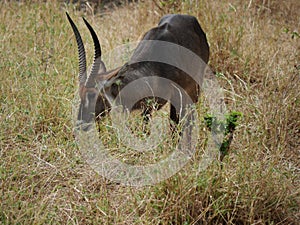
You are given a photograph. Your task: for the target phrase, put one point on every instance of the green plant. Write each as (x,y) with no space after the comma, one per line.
(226,126)
(45,180)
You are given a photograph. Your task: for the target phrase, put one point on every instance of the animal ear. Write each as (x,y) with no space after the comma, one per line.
(109,75)
(81,53)
(107,78)
(98,66)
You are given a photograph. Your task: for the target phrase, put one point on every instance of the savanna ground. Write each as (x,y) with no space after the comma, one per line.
(254,48)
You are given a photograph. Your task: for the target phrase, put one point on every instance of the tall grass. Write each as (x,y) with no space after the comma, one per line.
(255,54)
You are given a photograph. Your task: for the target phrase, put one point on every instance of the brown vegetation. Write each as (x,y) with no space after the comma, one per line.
(255,54)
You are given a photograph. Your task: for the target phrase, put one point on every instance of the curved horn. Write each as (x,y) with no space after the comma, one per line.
(90,82)
(81,53)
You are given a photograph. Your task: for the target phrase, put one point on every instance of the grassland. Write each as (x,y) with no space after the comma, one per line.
(255,50)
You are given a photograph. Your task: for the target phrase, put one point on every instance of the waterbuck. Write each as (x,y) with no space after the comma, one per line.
(176,50)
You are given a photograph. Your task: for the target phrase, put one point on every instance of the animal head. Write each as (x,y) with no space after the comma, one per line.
(90,84)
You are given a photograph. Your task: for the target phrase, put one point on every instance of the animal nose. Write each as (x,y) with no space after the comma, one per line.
(82,125)
(79,123)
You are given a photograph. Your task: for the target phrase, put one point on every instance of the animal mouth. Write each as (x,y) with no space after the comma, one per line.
(82,125)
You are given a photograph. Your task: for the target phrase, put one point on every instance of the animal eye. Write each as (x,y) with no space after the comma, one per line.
(91,95)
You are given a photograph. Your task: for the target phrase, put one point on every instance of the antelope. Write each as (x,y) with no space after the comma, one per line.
(100,87)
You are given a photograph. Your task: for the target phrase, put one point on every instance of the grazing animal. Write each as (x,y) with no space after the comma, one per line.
(98,89)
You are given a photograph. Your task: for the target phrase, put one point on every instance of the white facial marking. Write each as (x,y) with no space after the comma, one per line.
(86,104)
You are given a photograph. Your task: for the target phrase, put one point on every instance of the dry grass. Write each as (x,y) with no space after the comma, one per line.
(255,53)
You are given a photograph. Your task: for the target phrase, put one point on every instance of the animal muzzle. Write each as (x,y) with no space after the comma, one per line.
(82,125)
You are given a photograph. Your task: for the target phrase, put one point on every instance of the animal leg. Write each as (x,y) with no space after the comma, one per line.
(174,120)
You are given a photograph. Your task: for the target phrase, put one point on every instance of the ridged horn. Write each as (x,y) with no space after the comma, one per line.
(81,53)
(90,82)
